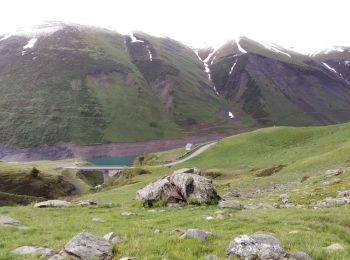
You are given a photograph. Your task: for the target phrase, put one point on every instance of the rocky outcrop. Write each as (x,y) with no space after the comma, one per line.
(343,197)
(53,203)
(261,247)
(180,187)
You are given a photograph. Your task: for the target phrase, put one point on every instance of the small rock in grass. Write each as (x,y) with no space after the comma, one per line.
(195,233)
(220,216)
(157,231)
(209,218)
(86,203)
(98,219)
(211,257)
(294,232)
(128,214)
(8,221)
(230,204)
(32,250)
(299,256)
(53,203)
(127,258)
(334,172)
(335,246)
(112,237)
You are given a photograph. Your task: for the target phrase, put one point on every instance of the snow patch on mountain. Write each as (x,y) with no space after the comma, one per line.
(274,48)
(329,67)
(134,39)
(150,54)
(30,43)
(240,47)
(206,66)
(233,66)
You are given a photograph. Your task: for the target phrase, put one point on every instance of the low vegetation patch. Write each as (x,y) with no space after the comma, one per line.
(269,171)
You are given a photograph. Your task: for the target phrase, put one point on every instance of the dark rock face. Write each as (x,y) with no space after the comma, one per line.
(179,188)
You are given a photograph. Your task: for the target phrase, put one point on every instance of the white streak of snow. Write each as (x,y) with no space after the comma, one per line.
(206,67)
(134,39)
(240,47)
(347,63)
(328,67)
(30,44)
(150,54)
(231,115)
(234,64)
(6,36)
(274,48)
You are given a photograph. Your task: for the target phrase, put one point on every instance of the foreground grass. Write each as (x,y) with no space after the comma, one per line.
(236,160)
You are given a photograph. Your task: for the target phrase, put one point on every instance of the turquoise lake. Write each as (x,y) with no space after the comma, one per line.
(113,160)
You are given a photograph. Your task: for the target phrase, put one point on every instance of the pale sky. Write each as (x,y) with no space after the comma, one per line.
(307,25)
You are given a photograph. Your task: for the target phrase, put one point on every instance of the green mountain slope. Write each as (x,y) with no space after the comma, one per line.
(81,84)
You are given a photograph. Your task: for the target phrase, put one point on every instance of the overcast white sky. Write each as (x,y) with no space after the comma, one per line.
(304,24)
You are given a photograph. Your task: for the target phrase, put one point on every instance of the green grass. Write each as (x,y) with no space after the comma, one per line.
(304,151)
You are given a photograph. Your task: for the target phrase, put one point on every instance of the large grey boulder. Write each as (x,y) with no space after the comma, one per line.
(196,187)
(32,250)
(258,246)
(8,221)
(332,202)
(230,204)
(179,188)
(87,246)
(53,203)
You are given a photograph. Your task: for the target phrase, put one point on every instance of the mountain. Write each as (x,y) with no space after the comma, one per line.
(276,86)
(87,85)
(336,59)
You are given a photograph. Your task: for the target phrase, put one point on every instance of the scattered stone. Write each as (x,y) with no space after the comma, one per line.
(294,232)
(343,194)
(128,214)
(86,203)
(259,246)
(333,172)
(113,238)
(53,203)
(335,246)
(180,187)
(258,206)
(209,218)
(157,231)
(284,198)
(192,170)
(220,217)
(195,233)
(331,182)
(8,221)
(87,246)
(211,257)
(299,256)
(233,204)
(127,258)
(98,219)
(32,250)
(61,256)
(232,195)
(331,202)
(219,212)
